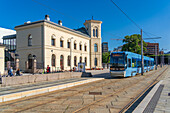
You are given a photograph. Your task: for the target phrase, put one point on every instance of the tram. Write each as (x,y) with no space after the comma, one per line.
(125,64)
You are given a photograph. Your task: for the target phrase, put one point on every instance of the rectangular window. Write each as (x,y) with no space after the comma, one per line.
(129,62)
(61,43)
(139,64)
(133,62)
(145,63)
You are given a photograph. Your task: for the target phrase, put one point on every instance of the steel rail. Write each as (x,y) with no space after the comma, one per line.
(141,93)
(107,96)
(57,99)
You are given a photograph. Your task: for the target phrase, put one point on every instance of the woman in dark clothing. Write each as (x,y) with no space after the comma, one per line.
(18,72)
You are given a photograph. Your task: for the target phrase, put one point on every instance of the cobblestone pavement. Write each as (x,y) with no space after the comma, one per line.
(114,94)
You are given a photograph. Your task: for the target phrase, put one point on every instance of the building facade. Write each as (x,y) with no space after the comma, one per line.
(104,47)
(152,48)
(59,47)
(2,59)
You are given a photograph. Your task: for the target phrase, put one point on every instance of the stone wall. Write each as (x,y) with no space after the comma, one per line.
(16,80)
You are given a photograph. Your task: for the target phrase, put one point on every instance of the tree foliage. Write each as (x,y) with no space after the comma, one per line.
(133,44)
(105,57)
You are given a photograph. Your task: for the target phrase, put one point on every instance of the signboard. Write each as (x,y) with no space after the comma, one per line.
(81,67)
(117,55)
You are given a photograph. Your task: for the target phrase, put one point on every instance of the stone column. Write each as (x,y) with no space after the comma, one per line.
(26,66)
(17,63)
(34,66)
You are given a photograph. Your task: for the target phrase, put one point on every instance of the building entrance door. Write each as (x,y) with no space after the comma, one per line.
(62,62)
(30,61)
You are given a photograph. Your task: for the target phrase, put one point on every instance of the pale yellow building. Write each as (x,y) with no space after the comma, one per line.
(2,59)
(54,44)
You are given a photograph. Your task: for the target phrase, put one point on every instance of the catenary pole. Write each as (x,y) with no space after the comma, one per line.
(141,53)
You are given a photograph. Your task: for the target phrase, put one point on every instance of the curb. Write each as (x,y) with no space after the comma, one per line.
(13,96)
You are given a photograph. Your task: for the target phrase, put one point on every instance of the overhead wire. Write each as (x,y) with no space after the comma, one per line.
(126,15)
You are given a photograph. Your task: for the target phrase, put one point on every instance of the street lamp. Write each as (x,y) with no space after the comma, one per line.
(34,56)
(70,53)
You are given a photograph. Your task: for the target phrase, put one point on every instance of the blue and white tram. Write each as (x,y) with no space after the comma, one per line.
(124,64)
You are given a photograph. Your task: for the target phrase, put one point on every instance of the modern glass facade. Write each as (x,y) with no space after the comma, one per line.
(10,42)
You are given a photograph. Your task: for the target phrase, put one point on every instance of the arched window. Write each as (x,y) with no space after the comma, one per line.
(93,32)
(85,61)
(62,62)
(30,61)
(53,40)
(62,42)
(80,59)
(85,48)
(95,48)
(75,45)
(30,40)
(75,61)
(96,32)
(95,61)
(53,60)
(68,61)
(68,44)
(80,47)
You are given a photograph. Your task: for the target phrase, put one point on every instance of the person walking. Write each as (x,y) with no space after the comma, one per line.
(18,72)
(10,72)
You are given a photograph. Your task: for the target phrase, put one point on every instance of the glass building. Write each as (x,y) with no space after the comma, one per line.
(10,42)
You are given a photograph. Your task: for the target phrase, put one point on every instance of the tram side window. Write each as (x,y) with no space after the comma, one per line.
(152,63)
(149,63)
(133,62)
(129,62)
(139,63)
(145,63)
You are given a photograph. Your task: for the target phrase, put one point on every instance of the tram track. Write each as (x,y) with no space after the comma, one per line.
(125,108)
(98,85)
(116,93)
(55,99)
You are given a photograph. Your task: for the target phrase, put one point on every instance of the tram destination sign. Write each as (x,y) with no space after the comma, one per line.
(117,55)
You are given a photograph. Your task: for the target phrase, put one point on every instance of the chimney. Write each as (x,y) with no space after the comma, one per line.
(27,22)
(60,22)
(47,17)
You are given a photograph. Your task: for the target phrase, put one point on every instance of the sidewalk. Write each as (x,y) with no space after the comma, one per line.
(158,99)
(16,92)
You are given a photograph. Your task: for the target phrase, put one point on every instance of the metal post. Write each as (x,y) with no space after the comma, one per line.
(142,53)
(156,57)
(95,60)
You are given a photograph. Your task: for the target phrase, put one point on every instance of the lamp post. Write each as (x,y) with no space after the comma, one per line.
(16,61)
(70,53)
(34,63)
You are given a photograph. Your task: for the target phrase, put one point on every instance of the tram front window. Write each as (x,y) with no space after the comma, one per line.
(117,62)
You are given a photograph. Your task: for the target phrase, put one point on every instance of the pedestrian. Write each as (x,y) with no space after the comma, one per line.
(18,72)
(48,69)
(10,72)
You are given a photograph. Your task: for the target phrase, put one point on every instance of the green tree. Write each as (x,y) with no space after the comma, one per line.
(133,44)
(106,57)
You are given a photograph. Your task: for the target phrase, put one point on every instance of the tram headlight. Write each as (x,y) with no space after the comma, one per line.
(122,68)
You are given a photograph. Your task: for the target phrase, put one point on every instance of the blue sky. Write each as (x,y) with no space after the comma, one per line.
(152,15)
